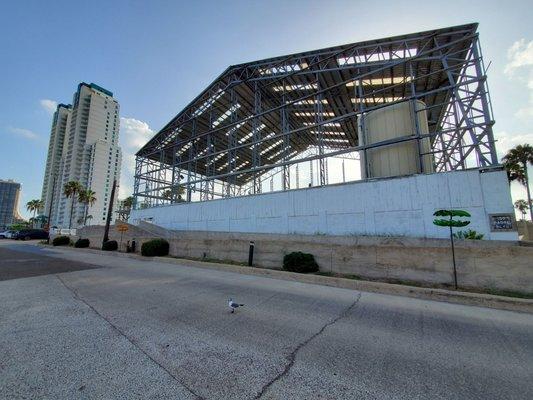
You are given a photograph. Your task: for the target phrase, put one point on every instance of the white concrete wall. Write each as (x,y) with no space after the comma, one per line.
(398,207)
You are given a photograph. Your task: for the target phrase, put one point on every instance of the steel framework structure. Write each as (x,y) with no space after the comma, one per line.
(265,118)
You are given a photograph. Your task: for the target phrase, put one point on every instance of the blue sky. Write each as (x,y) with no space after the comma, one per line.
(158,55)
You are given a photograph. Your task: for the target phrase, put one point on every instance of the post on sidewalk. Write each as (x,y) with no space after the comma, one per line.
(251,254)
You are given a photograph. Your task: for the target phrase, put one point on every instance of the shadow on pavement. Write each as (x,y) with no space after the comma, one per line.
(28,261)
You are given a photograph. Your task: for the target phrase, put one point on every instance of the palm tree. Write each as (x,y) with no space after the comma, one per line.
(34,206)
(125,210)
(87,196)
(516,162)
(515,172)
(71,189)
(42,220)
(128,202)
(176,191)
(521,205)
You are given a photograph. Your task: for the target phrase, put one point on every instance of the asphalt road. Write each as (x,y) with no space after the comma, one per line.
(32,262)
(148,330)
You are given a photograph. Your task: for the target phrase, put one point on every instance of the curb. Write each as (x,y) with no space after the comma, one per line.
(443,295)
(466,298)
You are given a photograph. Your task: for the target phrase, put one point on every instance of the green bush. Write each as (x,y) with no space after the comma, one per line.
(110,245)
(469,234)
(80,243)
(61,241)
(155,247)
(300,262)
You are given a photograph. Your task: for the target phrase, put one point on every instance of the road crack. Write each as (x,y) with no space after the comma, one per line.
(291,358)
(76,296)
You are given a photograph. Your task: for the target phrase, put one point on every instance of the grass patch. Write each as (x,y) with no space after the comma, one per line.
(495,292)
(510,293)
(211,260)
(324,273)
(335,275)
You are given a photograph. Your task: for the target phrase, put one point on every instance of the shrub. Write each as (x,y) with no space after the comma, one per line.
(469,234)
(61,241)
(110,245)
(155,247)
(300,262)
(80,243)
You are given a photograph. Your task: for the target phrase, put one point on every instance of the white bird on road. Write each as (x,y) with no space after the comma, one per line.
(232,305)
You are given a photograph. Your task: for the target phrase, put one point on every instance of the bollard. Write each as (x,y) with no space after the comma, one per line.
(251,254)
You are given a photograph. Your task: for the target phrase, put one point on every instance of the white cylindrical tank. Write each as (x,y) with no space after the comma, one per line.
(393,122)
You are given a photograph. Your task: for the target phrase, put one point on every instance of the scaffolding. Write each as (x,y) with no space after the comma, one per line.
(260,126)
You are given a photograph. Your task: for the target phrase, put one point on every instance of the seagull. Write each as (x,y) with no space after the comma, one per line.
(233,305)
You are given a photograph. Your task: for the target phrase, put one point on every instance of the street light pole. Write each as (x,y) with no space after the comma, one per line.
(50,208)
(109,213)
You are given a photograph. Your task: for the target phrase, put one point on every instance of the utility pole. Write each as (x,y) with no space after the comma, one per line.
(50,208)
(109,213)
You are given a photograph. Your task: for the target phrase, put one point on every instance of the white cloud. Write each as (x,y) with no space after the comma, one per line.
(25,133)
(519,55)
(133,135)
(506,141)
(527,111)
(519,67)
(49,106)
(524,112)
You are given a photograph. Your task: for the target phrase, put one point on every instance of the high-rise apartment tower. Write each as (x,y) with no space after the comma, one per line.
(9,202)
(84,148)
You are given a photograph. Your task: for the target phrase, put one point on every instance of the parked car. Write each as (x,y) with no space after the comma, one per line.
(27,234)
(6,234)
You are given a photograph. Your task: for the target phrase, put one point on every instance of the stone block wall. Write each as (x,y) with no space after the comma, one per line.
(480,264)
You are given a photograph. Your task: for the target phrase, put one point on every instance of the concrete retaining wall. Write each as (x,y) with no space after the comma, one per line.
(481,264)
(401,206)
(525,230)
